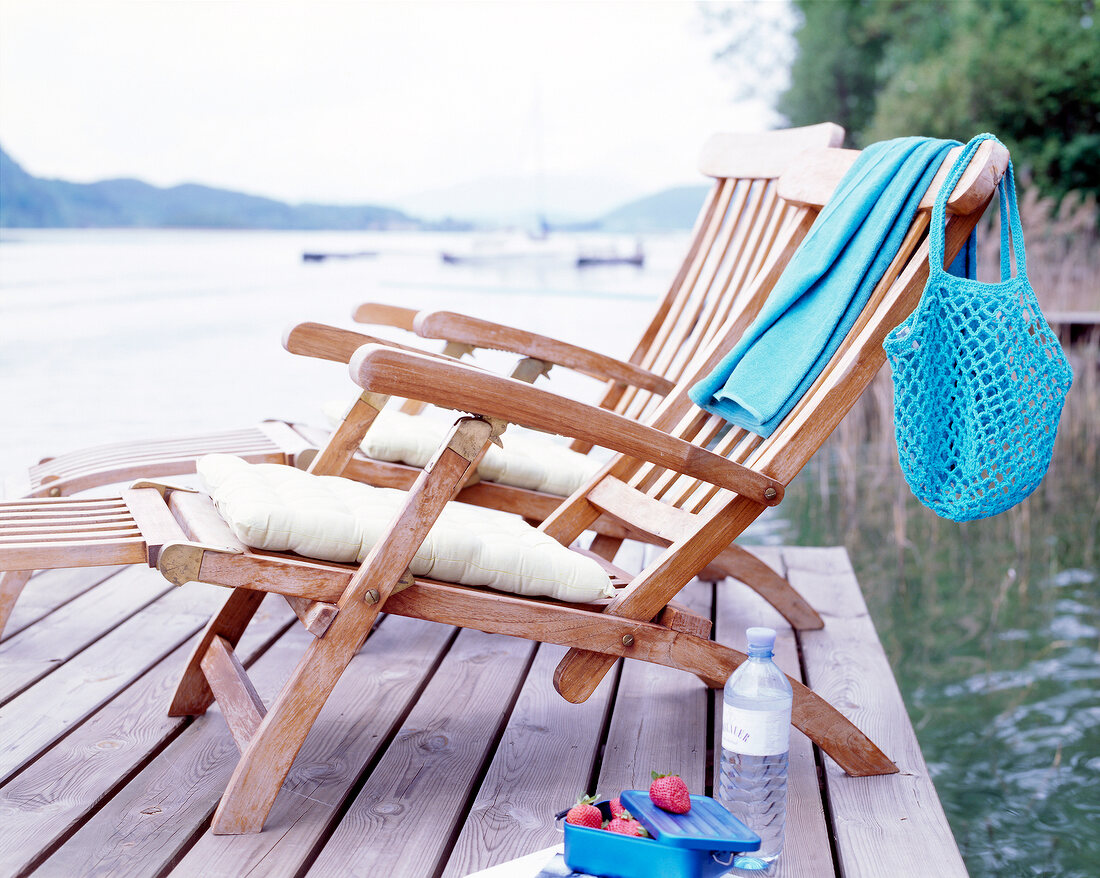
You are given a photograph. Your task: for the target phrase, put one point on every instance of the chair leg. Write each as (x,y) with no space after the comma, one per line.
(11,586)
(775,589)
(267,758)
(822,723)
(193,694)
(605,546)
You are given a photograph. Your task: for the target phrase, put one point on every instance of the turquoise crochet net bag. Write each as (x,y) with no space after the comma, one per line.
(979,378)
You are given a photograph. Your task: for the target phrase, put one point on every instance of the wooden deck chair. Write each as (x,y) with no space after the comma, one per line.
(741,223)
(666,484)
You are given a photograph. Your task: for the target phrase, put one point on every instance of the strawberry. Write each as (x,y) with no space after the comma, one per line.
(626,826)
(670,793)
(617,809)
(584,813)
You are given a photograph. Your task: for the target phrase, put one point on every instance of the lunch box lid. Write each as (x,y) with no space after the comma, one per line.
(707,826)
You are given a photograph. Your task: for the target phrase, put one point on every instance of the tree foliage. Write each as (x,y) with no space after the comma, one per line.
(1026,70)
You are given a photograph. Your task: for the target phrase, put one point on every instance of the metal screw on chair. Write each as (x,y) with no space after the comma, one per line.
(371,596)
(628,640)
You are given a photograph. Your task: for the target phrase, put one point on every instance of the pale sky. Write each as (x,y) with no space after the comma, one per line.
(352,102)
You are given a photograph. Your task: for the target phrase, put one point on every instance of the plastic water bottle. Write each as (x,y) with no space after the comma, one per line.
(756,734)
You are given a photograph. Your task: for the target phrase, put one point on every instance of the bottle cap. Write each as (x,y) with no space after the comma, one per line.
(761,638)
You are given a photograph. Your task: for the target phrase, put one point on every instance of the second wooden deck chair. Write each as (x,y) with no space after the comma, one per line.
(740,225)
(666,484)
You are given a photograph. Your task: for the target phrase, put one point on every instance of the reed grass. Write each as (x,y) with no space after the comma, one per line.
(1063,249)
(858,465)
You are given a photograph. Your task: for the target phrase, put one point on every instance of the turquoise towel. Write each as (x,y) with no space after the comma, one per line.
(825,286)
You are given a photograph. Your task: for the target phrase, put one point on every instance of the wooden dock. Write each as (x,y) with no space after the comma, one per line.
(442,751)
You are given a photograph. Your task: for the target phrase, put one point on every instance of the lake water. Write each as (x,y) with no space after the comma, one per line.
(992,627)
(109,334)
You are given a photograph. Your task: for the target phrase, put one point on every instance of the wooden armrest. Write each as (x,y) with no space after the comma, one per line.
(385,315)
(450,326)
(452,384)
(332,343)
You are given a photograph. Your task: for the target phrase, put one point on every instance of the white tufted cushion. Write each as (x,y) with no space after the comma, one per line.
(279,508)
(527,460)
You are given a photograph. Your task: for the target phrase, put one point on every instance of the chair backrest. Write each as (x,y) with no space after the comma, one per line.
(630,491)
(741,224)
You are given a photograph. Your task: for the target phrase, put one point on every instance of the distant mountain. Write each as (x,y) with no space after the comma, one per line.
(32,202)
(668,210)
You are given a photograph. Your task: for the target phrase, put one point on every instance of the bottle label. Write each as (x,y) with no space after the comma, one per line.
(756,732)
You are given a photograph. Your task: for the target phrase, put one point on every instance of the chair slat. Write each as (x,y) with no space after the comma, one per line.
(739,213)
(65,505)
(198,518)
(74,553)
(75,528)
(731,274)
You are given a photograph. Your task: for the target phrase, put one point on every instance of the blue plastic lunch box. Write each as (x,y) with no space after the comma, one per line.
(698,844)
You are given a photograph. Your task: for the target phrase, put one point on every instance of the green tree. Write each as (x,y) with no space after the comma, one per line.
(1027,70)
(835,75)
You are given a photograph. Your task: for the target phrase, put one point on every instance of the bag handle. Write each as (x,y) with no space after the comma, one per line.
(1012,233)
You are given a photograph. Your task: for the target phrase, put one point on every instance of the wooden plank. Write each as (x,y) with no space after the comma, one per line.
(153,820)
(54,794)
(806,849)
(401,822)
(377,690)
(544,762)
(49,590)
(34,653)
(883,825)
(577,626)
(145,819)
(135,832)
(83,684)
(659,721)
